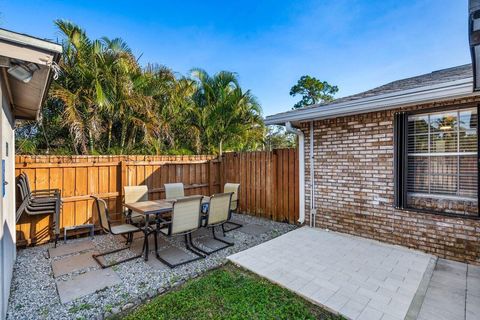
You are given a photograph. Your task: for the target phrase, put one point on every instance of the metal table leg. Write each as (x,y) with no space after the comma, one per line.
(145,231)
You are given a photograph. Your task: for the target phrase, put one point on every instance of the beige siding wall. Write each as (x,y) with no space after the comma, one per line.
(7,203)
(354,188)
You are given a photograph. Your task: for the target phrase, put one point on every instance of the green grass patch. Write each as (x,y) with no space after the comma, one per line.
(230,293)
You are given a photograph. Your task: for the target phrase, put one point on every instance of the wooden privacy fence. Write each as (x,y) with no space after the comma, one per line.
(269,183)
(80,177)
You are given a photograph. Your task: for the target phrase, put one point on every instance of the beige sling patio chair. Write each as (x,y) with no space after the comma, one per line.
(185,218)
(218,215)
(174,190)
(135,194)
(39,202)
(234,189)
(122,229)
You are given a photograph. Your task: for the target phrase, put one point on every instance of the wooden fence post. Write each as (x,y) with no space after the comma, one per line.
(210,178)
(222,171)
(274,185)
(122,183)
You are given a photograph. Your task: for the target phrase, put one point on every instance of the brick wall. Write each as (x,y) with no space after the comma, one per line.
(354,188)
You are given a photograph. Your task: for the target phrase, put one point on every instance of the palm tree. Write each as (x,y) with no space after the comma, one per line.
(79,86)
(104,101)
(161,85)
(223,111)
(123,78)
(101,88)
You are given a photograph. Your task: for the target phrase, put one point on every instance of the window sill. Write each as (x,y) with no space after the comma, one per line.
(441,197)
(439,213)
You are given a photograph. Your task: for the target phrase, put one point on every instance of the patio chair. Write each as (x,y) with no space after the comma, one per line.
(185,218)
(218,214)
(122,229)
(36,196)
(135,194)
(234,189)
(174,190)
(41,202)
(35,201)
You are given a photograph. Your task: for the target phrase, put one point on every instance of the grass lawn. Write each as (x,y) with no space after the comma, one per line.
(230,293)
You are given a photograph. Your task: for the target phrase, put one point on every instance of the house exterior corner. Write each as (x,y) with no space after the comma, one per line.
(354,187)
(7,202)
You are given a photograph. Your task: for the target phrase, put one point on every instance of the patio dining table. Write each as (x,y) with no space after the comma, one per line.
(156,208)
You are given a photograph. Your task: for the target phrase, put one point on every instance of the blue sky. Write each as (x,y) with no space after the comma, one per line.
(354,44)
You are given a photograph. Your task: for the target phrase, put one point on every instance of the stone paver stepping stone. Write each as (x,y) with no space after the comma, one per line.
(202,232)
(74,263)
(173,255)
(71,248)
(86,283)
(213,244)
(253,229)
(229,227)
(137,245)
(155,263)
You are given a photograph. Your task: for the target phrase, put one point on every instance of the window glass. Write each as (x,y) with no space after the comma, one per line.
(442,153)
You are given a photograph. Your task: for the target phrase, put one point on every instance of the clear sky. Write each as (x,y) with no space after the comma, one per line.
(355,44)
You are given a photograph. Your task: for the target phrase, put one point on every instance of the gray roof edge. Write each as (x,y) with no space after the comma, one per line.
(445,90)
(30,41)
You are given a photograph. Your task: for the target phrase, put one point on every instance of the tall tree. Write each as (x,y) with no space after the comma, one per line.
(224,113)
(78,86)
(277,138)
(312,91)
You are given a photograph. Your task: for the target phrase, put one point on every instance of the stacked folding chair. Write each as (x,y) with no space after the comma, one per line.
(39,202)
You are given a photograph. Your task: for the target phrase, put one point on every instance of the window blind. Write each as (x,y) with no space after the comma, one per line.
(442,154)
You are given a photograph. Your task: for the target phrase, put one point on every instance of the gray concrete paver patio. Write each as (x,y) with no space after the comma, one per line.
(453,292)
(473,293)
(352,276)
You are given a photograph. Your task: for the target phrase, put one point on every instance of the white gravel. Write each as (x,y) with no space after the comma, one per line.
(34,295)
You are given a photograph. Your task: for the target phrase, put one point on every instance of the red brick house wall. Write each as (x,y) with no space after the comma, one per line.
(354,188)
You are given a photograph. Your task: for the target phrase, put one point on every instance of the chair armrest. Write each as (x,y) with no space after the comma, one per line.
(43,199)
(46,210)
(45,192)
(162,221)
(128,215)
(41,206)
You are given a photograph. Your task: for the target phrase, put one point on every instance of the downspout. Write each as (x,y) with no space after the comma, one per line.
(313,210)
(301,168)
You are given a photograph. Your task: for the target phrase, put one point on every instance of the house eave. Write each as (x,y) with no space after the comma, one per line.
(447,90)
(29,41)
(27,98)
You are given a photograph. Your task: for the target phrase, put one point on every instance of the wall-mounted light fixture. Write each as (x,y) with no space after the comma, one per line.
(23,72)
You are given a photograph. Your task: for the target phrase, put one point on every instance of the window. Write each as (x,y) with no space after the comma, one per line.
(436,161)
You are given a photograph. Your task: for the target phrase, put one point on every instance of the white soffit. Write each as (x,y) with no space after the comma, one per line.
(27,98)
